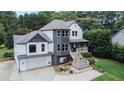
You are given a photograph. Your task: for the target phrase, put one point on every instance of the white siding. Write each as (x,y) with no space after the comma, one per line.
(50,47)
(49,34)
(119,38)
(76,27)
(19,49)
(38,48)
(36,62)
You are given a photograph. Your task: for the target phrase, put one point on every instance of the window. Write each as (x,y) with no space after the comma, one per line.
(63,47)
(63,33)
(66,47)
(42,47)
(59,33)
(75,33)
(66,34)
(58,47)
(32,48)
(72,33)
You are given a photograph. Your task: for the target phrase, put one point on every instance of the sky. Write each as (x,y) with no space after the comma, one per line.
(23,12)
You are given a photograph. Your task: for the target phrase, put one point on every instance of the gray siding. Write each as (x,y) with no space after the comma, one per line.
(59,40)
(37,38)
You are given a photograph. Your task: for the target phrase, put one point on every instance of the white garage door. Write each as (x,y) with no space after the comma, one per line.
(38,62)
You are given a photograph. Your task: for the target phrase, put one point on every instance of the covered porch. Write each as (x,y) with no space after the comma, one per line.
(79,45)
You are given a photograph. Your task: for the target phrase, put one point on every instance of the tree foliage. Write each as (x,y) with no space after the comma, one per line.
(2,34)
(18,31)
(118,53)
(99,42)
(89,23)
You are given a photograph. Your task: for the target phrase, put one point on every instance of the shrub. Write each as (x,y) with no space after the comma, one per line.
(87,54)
(118,53)
(8,54)
(91,61)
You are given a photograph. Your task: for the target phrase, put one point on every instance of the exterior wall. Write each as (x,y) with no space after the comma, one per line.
(35,62)
(51,47)
(119,38)
(59,40)
(49,34)
(76,27)
(38,48)
(19,49)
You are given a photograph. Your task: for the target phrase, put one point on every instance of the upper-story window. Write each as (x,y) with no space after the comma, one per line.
(42,47)
(32,48)
(62,33)
(74,33)
(59,33)
(66,33)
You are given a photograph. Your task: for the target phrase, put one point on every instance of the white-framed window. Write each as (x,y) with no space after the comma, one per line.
(63,47)
(42,47)
(37,48)
(66,33)
(58,47)
(72,33)
(75,33)
(59,33)
(32,48)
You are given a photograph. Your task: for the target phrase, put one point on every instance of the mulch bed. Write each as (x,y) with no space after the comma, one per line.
(6,59)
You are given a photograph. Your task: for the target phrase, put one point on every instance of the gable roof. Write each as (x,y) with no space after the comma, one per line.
(69,23)
(55,24)
(122,30)
(25,38)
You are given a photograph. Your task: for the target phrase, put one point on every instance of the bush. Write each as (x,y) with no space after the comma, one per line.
(87,54)
(99,42)
(118,53)
(91,61)
(8,54)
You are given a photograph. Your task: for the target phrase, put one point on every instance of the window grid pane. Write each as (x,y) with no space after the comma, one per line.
(42,47)
(32,48)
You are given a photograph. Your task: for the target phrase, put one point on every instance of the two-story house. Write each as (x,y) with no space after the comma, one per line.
(50,45)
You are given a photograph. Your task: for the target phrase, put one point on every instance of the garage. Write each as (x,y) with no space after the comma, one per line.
(35,62)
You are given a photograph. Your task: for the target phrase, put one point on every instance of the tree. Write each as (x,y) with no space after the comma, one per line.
(64,15)
(89,23)
(2,34)
(99,42)
(8,19)
(18,31)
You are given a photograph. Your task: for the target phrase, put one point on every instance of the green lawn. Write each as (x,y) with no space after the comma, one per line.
(3,50)
(114,70)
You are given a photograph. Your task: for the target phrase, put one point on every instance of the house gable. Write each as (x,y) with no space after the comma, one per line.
(37,38)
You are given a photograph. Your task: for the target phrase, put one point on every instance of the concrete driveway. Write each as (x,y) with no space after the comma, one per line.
(8,71)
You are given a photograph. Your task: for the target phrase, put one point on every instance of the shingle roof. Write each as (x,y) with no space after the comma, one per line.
(55,24)
(25,38)
(68,23)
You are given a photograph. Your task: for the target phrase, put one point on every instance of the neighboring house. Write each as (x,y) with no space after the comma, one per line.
(118,37)
(51,45)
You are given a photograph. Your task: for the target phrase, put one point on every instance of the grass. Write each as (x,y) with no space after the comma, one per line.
(3,50)
(114,70)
